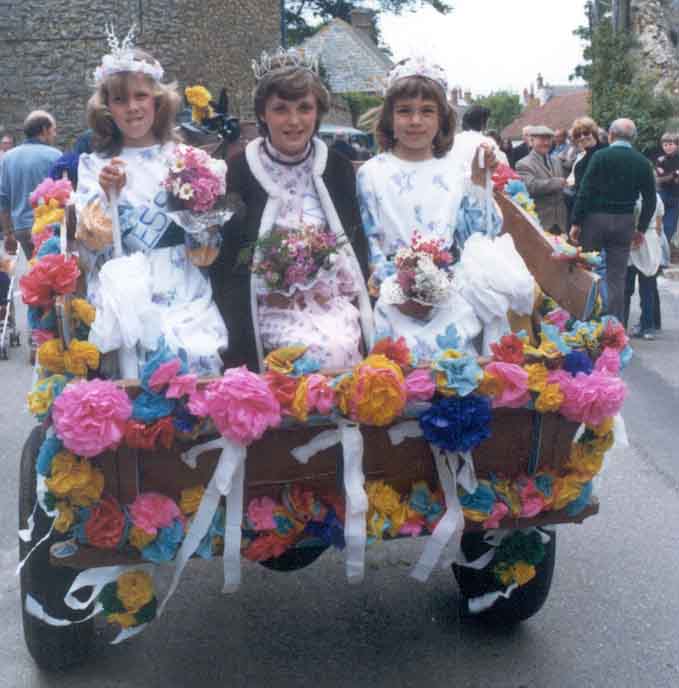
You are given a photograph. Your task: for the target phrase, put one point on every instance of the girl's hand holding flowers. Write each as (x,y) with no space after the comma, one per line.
(489,163)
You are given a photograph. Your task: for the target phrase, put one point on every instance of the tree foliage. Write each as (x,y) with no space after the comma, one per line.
(618,89)
(504,108)
(303,17)
(360,103)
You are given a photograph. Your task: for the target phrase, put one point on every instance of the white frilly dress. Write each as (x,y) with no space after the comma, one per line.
(330,313)
(437,199)
(154,290)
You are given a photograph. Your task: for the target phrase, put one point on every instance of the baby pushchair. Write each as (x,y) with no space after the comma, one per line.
(9,335)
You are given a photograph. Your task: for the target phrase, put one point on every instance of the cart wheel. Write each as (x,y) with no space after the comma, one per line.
(294,559)
(52,647)
(524,602)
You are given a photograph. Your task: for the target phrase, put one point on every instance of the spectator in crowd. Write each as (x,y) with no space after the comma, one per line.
(6,142)
(543,176)
(643,266)
(342,146)
(23,168)
(560,142)
(522,150)
(603,214)
(475,118)
(585,135)
(667,175)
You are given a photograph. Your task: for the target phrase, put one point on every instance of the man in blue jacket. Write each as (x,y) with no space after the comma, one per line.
(603,214)
(23,168)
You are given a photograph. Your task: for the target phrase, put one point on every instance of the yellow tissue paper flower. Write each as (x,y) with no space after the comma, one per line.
(537,376)
(507,488)
(41,398)
(76,479)
(474,515)
(567,489)
(299,405)
(80,357)
(47,214)
(124,620)
(282,360)
(374,393)
(140,538)
(51,355)
(383,497)
(190,499)
(604,429)
(65,519)
(490,385)
(83,311)
(135,590)
(550,399)
(520,573)
(199,99)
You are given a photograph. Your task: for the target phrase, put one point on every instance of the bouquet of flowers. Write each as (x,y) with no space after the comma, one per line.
(423,276)
(195,183)
(48,201)
(288,258)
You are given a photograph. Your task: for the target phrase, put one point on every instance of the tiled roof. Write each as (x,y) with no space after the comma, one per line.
(352,62)
(558,112)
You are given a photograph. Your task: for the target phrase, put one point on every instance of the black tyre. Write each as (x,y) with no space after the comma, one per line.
(294,559)
(524,602)
(52,647)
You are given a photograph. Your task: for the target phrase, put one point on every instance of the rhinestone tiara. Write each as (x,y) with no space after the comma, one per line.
(283,59)
(121,58)
(417,66)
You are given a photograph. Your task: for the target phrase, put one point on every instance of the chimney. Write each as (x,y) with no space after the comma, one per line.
(362,21)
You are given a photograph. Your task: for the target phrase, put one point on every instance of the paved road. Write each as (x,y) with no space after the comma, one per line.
(611,619)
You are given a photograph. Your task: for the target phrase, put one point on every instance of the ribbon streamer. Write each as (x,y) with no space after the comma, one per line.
(476,605)
(227,481)
(355,532)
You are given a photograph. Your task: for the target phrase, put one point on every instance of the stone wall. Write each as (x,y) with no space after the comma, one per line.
(49,49)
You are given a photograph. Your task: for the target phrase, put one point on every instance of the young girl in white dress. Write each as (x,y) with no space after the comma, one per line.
(417,185)
(132,114)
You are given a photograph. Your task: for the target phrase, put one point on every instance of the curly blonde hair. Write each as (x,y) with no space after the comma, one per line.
(108,139)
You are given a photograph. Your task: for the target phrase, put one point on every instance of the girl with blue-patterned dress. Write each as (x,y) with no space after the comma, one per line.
(416,185)
(132,115)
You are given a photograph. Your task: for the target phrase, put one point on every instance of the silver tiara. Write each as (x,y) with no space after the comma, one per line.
(283,59)
(419,65)
(121,58)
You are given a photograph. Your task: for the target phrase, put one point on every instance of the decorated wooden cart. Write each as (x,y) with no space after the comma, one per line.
(484,481)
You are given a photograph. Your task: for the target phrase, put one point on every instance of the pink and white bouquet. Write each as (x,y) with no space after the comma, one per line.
(195,179)
(286,258)
(196,183)
(423,273)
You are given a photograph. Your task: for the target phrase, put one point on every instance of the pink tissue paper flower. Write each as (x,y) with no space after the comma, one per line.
(320,395)
(514,378)
(164,374)
(590,399)
(242,406)
(90,416)
(608,362)
(500,510)
(151,511)
(419,385)
(182,385)
(260,513)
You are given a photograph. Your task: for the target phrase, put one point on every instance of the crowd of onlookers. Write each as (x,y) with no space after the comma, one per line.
(595,187)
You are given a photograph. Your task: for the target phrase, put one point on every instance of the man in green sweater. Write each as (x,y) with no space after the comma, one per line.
(603,214)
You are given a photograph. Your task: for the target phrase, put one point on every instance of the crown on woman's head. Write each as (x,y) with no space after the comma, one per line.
(417,66)
(283,59)
(121,58)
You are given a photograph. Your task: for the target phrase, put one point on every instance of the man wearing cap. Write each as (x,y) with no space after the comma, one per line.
(544,178)
(522,150)
(603,214)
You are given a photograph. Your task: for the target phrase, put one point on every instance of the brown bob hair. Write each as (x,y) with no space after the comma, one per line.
(107,138)
(583,126)
(414,87)
(290,83)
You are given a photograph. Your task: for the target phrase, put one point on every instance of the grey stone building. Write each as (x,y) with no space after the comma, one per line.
(48,50)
